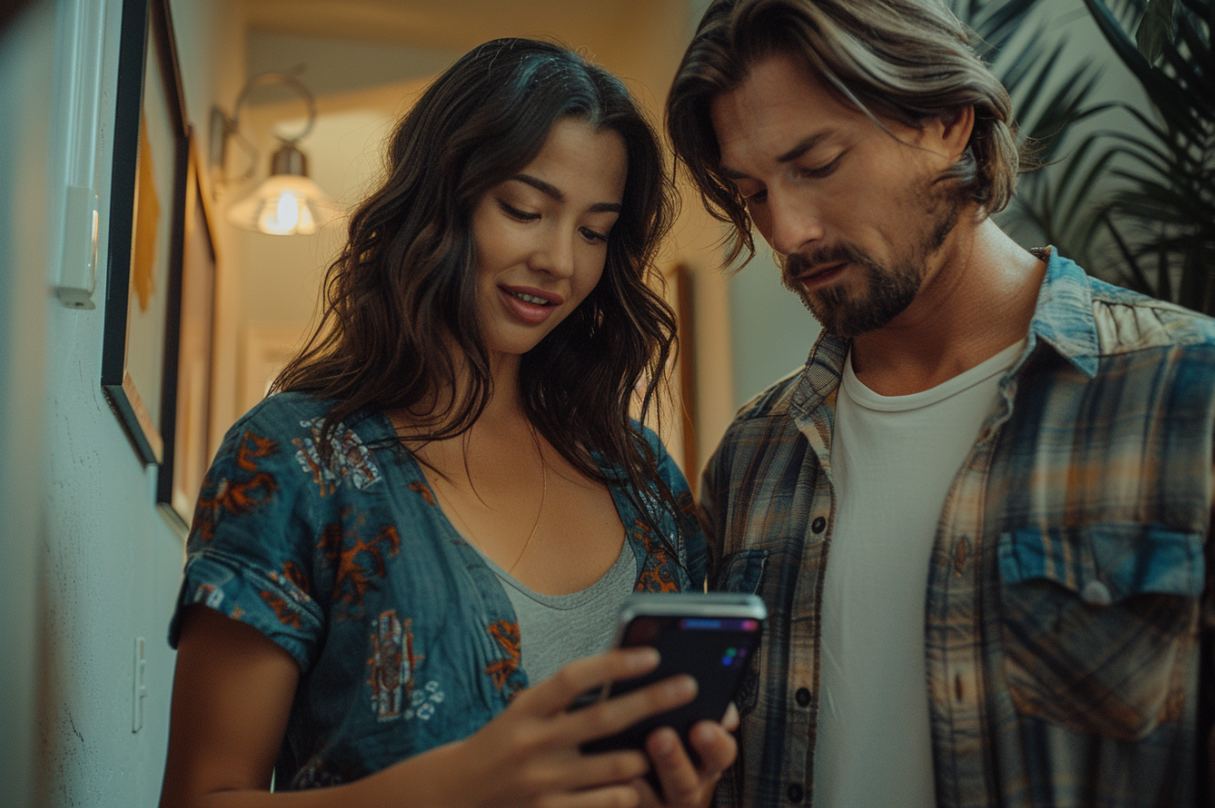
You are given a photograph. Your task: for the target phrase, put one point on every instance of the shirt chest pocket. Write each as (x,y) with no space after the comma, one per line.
(1100,624)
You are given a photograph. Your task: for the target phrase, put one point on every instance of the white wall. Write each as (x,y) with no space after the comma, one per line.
(26,67)
(109,563)
(773,332)
(110,558)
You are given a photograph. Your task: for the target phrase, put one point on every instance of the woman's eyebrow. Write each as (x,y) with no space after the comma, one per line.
(548,189)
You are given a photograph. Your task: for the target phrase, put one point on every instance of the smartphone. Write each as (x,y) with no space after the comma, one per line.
(709,636)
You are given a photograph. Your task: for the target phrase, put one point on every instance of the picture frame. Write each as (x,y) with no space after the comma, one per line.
(145,229)
(186,414)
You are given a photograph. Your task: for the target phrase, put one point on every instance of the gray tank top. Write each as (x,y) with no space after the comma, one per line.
(557,629)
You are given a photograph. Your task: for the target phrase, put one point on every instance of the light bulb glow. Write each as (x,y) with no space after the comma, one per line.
(306,223)
(288,211)
(283,215)
(284,205)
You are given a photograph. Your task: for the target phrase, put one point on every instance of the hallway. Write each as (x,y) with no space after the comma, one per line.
(93,548)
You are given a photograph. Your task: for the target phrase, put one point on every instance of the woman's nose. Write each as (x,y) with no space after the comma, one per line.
(555,255)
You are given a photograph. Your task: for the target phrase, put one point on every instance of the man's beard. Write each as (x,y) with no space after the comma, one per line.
(888,290)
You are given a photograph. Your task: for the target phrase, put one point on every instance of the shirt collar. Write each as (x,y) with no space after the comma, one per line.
(1063,318)
(822,374)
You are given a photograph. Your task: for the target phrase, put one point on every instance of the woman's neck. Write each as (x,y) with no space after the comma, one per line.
(505,403)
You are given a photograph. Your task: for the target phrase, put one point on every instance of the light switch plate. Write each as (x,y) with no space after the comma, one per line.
(140,688)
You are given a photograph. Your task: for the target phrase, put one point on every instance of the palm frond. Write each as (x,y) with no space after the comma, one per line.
(1168,98)
(1138,199)
(1155,29)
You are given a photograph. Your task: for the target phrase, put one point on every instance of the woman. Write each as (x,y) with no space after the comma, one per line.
(447,500)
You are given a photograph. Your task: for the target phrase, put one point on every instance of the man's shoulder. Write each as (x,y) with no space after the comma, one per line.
(1127,321)
(774,401)
(765,419)
(1086,318)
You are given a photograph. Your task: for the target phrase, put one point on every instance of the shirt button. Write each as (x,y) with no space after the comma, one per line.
(802,696)
(1096,594)
(818,525)
(795,793)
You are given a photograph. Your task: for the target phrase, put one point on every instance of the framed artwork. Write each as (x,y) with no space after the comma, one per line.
(146,224)
(186,416)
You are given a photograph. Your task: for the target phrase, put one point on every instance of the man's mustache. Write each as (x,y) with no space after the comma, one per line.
(799,263)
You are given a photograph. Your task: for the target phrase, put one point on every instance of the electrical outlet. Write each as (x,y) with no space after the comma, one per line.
(140,688)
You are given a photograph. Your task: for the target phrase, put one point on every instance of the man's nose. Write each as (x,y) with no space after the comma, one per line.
(792,223)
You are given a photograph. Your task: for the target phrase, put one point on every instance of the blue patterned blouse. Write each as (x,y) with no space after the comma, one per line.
(405,639)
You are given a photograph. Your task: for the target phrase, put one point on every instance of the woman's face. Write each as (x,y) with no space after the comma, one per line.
(541,236)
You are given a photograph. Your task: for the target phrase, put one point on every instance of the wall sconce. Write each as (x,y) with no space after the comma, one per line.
(287,202)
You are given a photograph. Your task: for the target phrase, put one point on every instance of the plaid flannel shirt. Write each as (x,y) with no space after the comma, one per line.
(1069,611)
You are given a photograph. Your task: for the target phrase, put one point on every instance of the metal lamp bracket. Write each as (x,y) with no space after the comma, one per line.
(224,126)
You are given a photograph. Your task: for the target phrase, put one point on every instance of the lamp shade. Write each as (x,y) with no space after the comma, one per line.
(287,202)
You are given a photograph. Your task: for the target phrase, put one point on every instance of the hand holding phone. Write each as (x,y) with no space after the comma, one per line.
(708,636)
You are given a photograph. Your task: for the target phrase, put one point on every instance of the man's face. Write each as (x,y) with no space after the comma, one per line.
(850,207)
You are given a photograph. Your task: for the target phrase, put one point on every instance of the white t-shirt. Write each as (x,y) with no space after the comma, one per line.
(893,460)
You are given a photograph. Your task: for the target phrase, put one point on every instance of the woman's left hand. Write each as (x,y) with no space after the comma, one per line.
(685,785)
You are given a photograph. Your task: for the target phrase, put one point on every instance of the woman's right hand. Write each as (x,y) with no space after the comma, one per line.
(529,754)
(234,688)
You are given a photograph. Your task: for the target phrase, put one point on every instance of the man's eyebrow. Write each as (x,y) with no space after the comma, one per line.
(553,191)
(803,146)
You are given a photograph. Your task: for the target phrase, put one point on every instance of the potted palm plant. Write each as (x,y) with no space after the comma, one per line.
(1136,205)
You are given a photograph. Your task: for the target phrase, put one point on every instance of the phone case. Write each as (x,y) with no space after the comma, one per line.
(710,636)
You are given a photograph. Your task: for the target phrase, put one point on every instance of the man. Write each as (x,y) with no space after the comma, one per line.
(978,516)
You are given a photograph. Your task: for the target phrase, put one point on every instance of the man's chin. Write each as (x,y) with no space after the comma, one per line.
(849,322)
(832,315)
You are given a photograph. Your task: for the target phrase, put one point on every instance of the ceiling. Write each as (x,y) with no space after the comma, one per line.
(348,45)
(453,23)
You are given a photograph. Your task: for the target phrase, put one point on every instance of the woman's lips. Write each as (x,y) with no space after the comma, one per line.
(530,311)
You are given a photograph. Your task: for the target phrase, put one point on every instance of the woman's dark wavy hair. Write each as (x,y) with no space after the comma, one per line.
(902,60)
(400,298)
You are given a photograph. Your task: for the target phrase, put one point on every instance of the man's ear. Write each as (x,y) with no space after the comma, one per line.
(953,131)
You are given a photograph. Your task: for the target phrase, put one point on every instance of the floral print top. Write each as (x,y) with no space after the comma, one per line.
(405,639)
